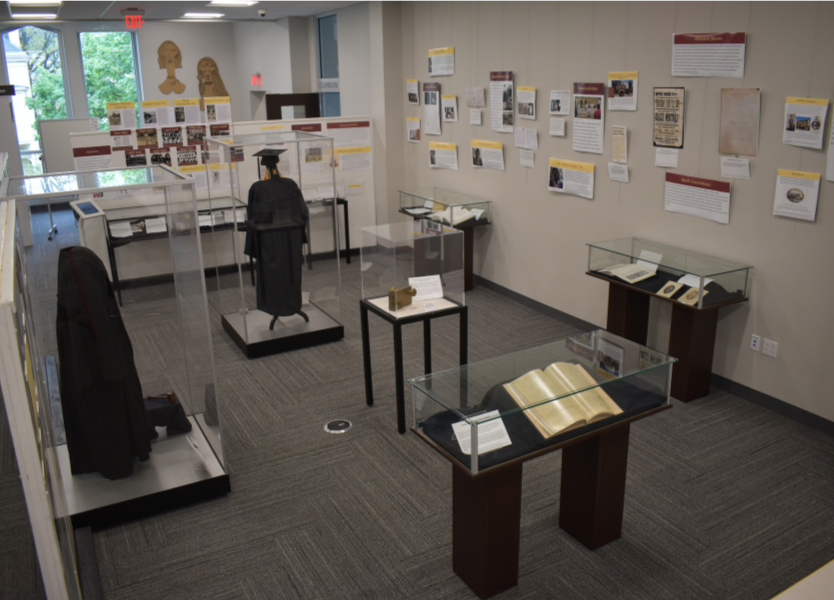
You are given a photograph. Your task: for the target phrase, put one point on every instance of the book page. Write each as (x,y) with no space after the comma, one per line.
(552,417)
(594,403)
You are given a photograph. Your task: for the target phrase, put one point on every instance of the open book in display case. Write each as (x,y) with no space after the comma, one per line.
(540,397)
(579,394)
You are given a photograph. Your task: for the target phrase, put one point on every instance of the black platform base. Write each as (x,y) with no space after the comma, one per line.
(321,329)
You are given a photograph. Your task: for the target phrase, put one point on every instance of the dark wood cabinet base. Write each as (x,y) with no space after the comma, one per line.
(692,342)
(593,487)
(486,525)
(628,313)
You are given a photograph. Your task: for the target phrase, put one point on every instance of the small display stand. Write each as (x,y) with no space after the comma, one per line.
(652,270)
(392,256)
(470,417)
(308,160)
(171,352)
(457,210)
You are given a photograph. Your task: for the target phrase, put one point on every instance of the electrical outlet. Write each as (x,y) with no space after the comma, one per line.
(755,342)
(770,347)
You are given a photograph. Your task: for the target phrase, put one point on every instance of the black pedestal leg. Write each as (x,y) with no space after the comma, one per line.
(398,368)
(366,355)
(347,232)
(427,344)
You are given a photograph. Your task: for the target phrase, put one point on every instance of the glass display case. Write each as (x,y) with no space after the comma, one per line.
(671,273)
(445,206)
(290,242)
(518,405)
(169,348)
(412,267)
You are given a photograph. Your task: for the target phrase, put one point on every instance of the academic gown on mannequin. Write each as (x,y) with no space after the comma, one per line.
(101,397)
(276,229)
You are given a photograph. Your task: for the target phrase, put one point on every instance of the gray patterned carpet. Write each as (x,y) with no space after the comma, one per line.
(724,499)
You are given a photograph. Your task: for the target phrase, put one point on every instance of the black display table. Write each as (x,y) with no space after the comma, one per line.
(425,317)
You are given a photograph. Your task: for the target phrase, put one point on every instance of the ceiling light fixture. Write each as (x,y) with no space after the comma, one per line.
(232,2)
(28,16)
(202,15)
(34,3)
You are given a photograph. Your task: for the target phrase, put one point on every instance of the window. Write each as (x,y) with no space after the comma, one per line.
(329,64)
(109,60)
(33,62)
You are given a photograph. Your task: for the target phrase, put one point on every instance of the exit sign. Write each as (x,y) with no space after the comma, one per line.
(134,21)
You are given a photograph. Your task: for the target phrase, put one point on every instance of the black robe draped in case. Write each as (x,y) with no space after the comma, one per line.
(276,229)
(101,397)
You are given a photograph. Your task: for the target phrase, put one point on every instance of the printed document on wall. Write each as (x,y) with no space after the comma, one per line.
(557,127)
(218,109)
(588,117)
(526,102)
(442,61)
(501,101)
(412,91)
(708,54)
(571,177)
(669,117)
(443,156)
(804,123)
(475,97)
(187,111)
(412,129)
(619,137)
(739,131)
(527,138)
(698,197)
(797,194)
(431,101)
(622,90)
(121,115)
(156,112)
(559,102)
(487,155)
(449,104)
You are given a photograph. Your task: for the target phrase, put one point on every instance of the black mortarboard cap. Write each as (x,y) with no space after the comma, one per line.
(276,152)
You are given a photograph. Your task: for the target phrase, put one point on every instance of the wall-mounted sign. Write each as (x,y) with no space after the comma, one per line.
(328,85)
(7,90)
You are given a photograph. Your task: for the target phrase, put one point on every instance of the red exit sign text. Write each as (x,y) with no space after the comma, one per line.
(134,21)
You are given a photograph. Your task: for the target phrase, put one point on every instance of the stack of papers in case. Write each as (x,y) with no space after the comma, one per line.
(460,215)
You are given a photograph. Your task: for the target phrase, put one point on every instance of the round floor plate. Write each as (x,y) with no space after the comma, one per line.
(338,426)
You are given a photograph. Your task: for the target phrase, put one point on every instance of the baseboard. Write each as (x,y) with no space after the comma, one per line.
(795,413)
(535,305)
(722,383)
(88,572)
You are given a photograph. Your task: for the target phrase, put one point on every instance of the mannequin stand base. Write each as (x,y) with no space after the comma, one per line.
(261,334)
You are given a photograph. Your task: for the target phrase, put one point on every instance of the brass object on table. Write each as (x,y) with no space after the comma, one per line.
(398,299)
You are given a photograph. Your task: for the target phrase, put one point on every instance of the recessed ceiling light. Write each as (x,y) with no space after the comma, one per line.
(232,2)
(203,15)
(34,3)
(34,16)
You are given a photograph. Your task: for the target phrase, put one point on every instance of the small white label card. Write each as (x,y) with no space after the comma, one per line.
(527,158)
(735,168)
(492,435)
(666,157)
(428,287)
(557,127)
(474,116)
(618,172)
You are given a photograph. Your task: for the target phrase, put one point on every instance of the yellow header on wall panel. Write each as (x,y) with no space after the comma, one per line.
(265,127)
(439,51)
(218,100)
(448,96)
(814,101)
(117,105)
(798,174)
(354,150)
(442,146)
(623,75)
(411,81)
(412,118)
(526,89)
(218,166)
(154,103)
(572,165)
(193,169)
(186,101)
(488,144)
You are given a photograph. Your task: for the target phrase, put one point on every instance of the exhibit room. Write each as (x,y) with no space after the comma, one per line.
(416,300)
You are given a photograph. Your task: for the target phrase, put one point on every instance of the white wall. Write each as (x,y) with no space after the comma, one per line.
(263,48)
(536,245)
